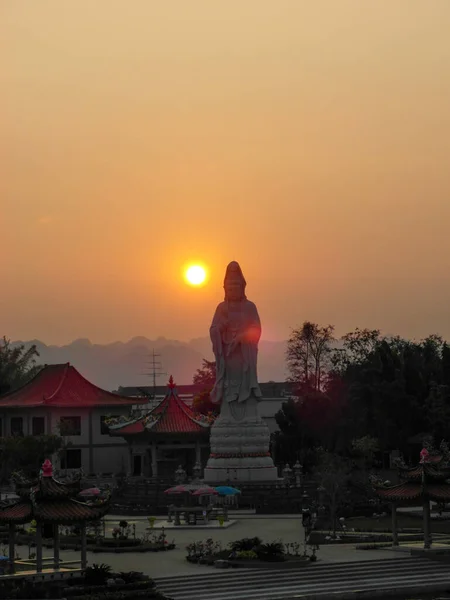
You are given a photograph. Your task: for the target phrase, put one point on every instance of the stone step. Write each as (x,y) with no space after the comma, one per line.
(310,580)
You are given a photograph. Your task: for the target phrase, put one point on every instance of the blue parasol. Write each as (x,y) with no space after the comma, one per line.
(225,490)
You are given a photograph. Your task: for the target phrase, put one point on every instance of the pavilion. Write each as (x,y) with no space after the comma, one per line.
(50,502)
(169,435)
(426,482)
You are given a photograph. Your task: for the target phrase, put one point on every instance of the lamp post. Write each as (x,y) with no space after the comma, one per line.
(306,519)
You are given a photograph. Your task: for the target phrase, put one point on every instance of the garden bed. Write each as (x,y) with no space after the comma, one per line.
(137,548)
(250,553)
(98,582)
(324,538)
(112,545)
(288,563)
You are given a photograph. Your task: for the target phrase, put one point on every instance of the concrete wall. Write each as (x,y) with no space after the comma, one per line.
(100,453)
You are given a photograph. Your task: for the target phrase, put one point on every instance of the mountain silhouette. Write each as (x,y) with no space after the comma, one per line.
(130,363)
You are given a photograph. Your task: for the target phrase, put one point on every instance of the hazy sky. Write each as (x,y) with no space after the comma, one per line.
(309,140)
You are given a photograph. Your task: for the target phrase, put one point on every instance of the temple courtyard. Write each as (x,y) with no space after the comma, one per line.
(286,528)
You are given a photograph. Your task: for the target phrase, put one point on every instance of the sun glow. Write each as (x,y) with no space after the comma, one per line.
(195,275)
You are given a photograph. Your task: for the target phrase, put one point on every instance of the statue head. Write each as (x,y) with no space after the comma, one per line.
(234,283)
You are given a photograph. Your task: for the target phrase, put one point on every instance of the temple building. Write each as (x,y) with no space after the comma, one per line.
(59,400)
(419,485)
(274,394)
(167,436)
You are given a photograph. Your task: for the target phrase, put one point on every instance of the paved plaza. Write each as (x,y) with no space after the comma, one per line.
(268,528)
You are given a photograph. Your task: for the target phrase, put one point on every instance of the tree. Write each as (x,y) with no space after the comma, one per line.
(356,348)
(17,365)
(202,404)
(307,355)
(26,454)
(332,475)
(366,448)
(305,423)
(205,378)
(437,410)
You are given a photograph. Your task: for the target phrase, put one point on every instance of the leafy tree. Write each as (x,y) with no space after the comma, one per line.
(332,475)
(17,365)
(446,364)
(202,404)
(437,410)
(305,423)
(356,348)
(205,377)
(366,448)
(308,353)
(26,454)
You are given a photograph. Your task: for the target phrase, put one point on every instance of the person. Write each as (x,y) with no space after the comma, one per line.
(235,332)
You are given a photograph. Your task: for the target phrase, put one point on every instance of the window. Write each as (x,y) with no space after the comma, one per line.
(71,459)
(104,429)
(70,426)
(38,426)
(16,426)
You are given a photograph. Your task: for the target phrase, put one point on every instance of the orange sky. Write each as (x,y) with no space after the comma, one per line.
(309,140)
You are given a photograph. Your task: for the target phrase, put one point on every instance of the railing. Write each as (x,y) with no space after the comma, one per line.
(46,562)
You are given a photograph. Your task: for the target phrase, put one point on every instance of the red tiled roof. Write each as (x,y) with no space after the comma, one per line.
(431,472)
(68,511)
(63,386)
(48,487)
(410,491)
(172,415)
(61,511)
(20,512)
(129,428)
(403,491)
(439,492)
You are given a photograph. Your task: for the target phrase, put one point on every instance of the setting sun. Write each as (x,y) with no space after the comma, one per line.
(195,275)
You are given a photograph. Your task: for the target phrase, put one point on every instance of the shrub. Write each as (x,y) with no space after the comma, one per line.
(97,574)
(271,552)
(247,555)
(132,576)
(245,544)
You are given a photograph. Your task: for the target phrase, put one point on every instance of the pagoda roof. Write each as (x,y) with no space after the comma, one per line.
(171,415)
(413,491)
(430,471)
(50,500)
(63,386)
(47,487)
(427,480)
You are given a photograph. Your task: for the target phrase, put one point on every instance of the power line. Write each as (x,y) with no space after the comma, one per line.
(155,370)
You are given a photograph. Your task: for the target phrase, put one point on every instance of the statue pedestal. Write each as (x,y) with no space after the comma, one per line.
(240,452)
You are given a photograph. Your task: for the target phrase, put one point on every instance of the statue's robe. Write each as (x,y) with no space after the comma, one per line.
(236,371)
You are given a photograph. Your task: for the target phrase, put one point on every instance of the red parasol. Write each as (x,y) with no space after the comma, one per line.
(205,491)
(180,489)
(90,492)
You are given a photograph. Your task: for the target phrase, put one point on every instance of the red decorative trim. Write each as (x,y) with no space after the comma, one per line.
(250,455)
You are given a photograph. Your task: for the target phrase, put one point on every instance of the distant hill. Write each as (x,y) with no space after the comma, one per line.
(128,363)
